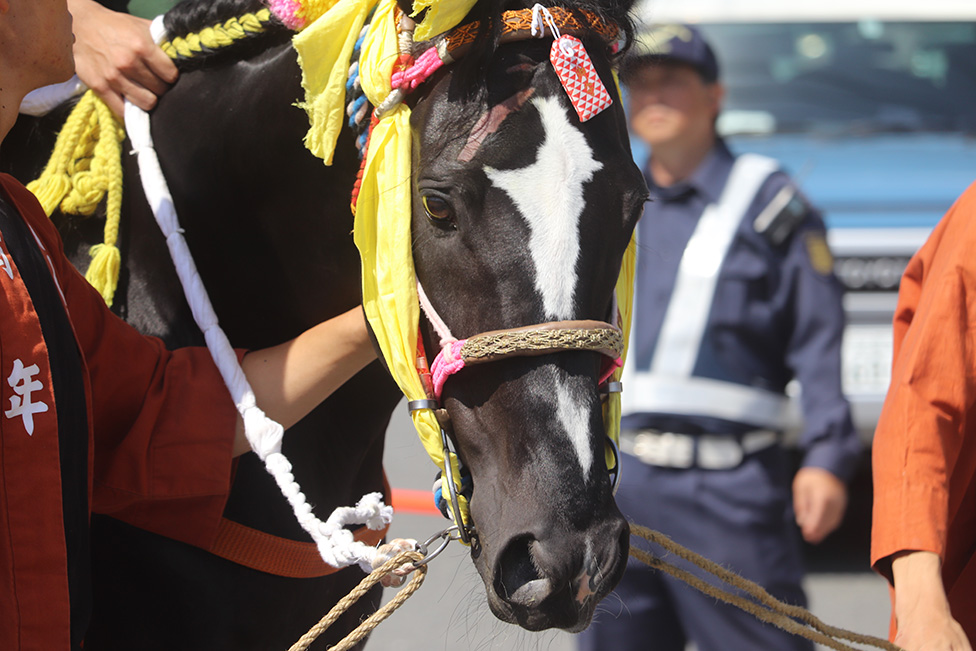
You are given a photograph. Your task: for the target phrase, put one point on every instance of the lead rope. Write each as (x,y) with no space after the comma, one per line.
(364,629)
(335,543)
(765,607)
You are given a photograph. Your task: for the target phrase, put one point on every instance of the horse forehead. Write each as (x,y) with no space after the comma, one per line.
(548,194)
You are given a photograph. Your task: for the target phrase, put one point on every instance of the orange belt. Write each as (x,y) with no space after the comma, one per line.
(275,555)
(282,556)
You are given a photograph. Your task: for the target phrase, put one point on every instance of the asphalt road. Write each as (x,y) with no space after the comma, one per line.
(450,612)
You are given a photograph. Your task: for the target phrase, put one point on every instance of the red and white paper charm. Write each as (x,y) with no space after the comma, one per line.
(576,72)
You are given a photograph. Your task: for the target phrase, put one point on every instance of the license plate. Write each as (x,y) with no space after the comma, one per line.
(866,360)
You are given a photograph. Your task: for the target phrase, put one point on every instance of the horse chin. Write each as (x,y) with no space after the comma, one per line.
(540,586)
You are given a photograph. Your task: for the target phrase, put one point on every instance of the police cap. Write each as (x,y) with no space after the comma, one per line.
(674,43)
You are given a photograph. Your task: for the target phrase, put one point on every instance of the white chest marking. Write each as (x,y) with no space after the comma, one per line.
(549,195)
(574,419)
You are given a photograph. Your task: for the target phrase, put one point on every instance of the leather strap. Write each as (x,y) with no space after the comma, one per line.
(275,555)
(271,554)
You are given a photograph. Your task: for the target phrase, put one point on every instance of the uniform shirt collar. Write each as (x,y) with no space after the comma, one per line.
(708,179)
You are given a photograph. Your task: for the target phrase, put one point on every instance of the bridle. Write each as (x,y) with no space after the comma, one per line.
(409,73)
(495,345)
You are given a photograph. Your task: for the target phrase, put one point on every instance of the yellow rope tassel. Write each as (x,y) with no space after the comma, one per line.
(85,167)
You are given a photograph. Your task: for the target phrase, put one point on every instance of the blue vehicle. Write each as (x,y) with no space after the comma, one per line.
(872,109)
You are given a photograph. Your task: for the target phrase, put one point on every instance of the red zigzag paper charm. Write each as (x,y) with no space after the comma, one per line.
(576,72)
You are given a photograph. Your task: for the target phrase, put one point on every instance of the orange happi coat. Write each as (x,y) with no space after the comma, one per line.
(160,426)
(925,444)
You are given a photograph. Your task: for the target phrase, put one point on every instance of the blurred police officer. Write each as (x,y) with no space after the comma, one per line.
(735,297)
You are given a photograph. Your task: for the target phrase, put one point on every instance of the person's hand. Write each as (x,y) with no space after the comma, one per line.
(922,613)
(116,57)
(819,501)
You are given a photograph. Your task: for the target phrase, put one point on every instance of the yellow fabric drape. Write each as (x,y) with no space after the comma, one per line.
(442,15)
(324,49)
(382,234)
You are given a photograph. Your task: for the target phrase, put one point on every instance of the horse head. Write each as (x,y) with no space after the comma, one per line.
(521,216)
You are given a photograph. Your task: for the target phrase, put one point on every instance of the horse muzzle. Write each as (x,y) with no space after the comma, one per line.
(556,580)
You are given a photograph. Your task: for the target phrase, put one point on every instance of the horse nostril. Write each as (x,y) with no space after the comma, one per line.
(518,579)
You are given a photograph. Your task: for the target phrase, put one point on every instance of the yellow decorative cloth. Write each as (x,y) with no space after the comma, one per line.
(441,16)
(324,50)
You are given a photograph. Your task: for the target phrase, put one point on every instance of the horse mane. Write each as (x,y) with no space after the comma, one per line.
(191,16)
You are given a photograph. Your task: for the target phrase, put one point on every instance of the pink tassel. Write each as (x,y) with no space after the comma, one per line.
(287,12)
(425,65)
(447,363)
(611,366)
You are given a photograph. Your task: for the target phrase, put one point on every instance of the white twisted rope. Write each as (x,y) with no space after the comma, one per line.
(335,543)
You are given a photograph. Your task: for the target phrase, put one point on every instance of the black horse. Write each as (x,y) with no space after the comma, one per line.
(519,222)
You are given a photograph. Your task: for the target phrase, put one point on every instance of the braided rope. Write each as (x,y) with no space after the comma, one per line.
(486,347)
(358,107)
(768,609)
(85,166)
(218,36)
(519,21)
(420,572)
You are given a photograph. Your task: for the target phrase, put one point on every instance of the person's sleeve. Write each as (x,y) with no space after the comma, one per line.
(921,431)
(813,353)
(163,421)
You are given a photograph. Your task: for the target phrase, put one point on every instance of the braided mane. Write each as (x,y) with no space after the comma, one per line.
(190,18)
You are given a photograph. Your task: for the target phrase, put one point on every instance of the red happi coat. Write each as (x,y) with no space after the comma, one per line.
(160,425)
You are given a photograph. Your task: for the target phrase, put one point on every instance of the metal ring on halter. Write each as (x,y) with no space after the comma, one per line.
(463,533)
(417,405)
(447,536)
(612,387)
(615,470)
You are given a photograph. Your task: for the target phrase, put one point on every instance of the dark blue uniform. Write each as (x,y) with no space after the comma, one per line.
(721,327)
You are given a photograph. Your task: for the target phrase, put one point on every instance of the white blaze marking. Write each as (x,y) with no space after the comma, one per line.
(549,195)
(576,421)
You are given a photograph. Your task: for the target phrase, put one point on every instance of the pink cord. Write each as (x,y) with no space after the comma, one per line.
(447,363)
(611,366)
(287,12)
(423,67)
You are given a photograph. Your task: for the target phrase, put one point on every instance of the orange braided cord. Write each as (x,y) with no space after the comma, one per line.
(520,20)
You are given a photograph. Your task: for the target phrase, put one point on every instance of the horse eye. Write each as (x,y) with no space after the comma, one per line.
(438,210)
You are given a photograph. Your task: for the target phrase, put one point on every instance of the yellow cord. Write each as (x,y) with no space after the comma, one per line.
(218,36)
(86,164)
(85,167)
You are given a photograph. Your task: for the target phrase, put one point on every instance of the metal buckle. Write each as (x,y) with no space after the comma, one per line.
(417,405)
(463,530)
(614,472)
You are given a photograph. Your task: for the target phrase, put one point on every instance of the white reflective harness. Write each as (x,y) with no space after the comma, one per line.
(669,385)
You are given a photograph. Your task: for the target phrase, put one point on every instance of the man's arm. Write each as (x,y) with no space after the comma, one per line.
(813,354)
(925,622)
(291,379)
(117,58)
